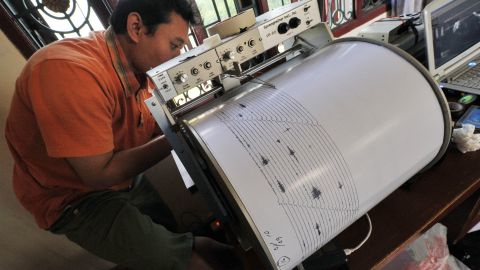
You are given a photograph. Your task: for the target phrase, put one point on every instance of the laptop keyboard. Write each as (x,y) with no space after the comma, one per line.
(470,78)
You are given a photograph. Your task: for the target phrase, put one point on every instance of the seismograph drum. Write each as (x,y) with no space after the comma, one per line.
(313,145)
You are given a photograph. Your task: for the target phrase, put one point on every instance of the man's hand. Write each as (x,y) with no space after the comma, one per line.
(113,168)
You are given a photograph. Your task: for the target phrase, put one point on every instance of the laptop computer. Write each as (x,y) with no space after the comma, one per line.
(452,36)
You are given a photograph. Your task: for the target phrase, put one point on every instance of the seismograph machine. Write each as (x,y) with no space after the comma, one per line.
(291,148)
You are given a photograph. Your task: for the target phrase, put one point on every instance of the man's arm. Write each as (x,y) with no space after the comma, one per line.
(109,169)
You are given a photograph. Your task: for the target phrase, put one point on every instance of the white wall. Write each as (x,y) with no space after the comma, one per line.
(10,66)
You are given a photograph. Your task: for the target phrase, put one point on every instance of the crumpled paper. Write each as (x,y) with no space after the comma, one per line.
(465,139)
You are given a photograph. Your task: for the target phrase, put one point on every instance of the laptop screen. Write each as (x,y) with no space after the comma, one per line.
(455,28)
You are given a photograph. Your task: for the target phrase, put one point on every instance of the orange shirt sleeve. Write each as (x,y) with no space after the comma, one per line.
(72,108)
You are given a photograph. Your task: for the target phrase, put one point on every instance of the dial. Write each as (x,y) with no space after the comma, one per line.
(181,78)
(294,22)
(228,55)
(194,71)
(283,28)
(240,49)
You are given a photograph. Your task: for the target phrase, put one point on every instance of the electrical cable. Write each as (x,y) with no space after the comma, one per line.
(349,251)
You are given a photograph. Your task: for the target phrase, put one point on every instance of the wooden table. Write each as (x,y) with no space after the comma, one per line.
(411,210)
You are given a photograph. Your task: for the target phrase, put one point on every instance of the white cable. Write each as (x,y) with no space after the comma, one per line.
(349,251)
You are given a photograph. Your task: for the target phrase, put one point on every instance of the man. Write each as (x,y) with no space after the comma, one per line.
(79,132)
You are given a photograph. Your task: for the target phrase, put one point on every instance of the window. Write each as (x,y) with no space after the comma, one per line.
(213,11)
(77,19)
(339,12)
(273,4)
(31,24)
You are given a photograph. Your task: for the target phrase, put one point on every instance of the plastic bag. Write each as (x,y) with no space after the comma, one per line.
(428,252)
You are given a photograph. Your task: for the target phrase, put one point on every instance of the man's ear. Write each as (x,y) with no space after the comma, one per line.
(134,26)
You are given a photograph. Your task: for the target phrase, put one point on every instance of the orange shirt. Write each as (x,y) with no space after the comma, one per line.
(75,97)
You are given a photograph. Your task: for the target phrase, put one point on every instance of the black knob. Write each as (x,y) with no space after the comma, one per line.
(283,28)
(228,55)
(194,71)
(294,22)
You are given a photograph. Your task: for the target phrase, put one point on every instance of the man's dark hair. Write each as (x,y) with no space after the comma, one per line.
(153,13)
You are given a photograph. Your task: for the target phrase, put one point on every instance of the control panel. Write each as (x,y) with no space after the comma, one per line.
(203,64)
(190,71)
(240,49)
(288,23)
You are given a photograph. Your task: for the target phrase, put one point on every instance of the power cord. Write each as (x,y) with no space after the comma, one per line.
(331,257)
(349,251)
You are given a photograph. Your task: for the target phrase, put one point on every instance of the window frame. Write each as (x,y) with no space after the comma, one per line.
(23,39)
(15,33)
(361,16)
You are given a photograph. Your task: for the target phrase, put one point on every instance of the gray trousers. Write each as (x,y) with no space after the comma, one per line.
(130,228)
